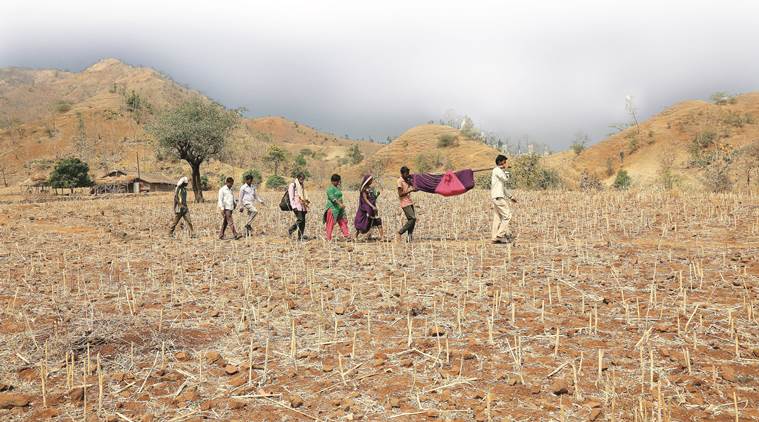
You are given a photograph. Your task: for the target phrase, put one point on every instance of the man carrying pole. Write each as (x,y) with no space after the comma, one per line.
(500,195)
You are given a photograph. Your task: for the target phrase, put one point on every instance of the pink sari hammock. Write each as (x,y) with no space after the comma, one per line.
(449,183)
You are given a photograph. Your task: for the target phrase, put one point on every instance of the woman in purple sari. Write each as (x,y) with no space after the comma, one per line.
(367,215)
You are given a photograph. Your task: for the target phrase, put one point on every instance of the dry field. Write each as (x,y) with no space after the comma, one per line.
(635,306)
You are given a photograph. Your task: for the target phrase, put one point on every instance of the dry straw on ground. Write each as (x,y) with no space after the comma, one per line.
(612,306)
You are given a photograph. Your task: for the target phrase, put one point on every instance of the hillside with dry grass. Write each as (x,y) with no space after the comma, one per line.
(691,144)
(426,148)
(99,114)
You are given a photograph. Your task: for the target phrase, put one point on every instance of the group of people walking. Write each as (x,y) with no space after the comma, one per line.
(367,216)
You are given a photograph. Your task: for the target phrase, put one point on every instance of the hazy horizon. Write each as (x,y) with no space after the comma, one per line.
(542,69)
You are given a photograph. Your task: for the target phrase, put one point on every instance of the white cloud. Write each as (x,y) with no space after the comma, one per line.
(373,69)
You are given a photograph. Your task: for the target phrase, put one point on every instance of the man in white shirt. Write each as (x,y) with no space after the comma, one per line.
(226,204)
(500,195)
(248,195)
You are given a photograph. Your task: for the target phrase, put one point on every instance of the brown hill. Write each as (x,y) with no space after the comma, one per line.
(99,115)
(422,149)
(692,140)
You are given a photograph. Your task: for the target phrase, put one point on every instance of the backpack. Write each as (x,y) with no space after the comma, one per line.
(284,203)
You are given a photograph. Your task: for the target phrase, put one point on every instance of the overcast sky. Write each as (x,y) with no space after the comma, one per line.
(546,69)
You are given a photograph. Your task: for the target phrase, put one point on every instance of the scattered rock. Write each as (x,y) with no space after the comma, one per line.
(234,404)
(46,414)
(238,380)
(208,405)
(594,414)
(11,400)
(189,394)
(559,387)
(76,394)
(727,373)
(182,356)
(593,404)
(339,310)
(436,331)
(395,402)
(230,369)
(28,374)
(213,357)
(295,401)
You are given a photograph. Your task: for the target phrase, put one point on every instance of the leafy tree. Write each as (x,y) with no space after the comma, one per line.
(667,176)
(589,181)
(579,143)
(528,173)
(446,140)
(716,178)
(256,176)
(204,184)
(609,167)
(275,182)
(62,106)
(751,152)
(300,165)
(721,98)
(699,147)
(133,102)
(632,142)
(300,161)
(424,163)
(70,173)
(355,155)
(275,156)
(468,128)
(194,131)
(622,181)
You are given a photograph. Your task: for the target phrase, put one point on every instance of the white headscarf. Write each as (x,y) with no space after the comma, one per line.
(182,181)
(368,178)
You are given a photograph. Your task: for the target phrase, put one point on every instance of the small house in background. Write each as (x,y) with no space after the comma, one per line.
(119,181)
(37,183)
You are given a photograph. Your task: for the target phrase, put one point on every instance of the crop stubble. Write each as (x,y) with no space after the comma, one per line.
(621,306)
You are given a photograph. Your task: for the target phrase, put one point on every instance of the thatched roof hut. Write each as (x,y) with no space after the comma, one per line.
(119,181)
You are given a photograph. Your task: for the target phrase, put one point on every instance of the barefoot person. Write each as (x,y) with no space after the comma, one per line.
(405,187)
(335,212)
(248,198)
(226,204)
(299,203)
(367,215)
(500,196)
(180,207)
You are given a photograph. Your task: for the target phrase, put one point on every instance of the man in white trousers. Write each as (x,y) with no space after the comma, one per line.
(500,197)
